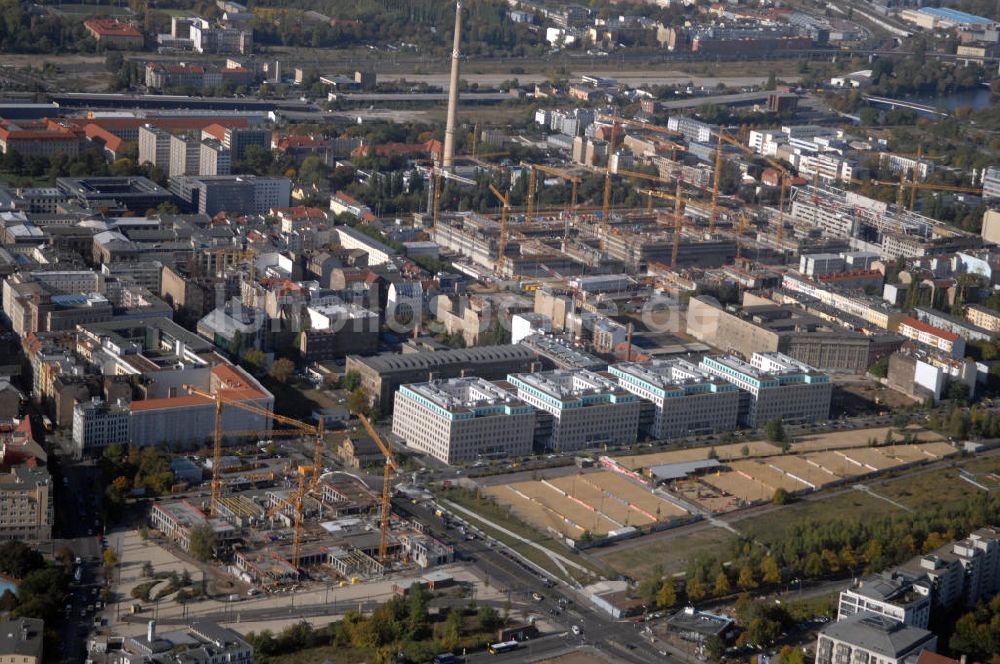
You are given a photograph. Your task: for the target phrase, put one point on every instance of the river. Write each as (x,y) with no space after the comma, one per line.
(977,99)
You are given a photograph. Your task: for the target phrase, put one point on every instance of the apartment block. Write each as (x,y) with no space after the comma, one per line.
(980,316)
(214,158)
(587,408)
(463,419)
(867,638)
(934,337)
(775,386)
(185,155)
(688,400)
(890,595)
(154,147)
(26,504)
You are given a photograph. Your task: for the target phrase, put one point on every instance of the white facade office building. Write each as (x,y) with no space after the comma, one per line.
(688,399)
(872,639)
(463,419)
(776,386)
(890,595)
(587,409)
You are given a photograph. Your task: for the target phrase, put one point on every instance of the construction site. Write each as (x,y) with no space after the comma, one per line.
(278,525)
(634,495)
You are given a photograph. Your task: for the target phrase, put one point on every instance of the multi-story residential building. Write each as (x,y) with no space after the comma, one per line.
(154,147)
(343,203)
(238,139)
(98,424)
(378,252)
(869,638)
(209,38)
(991,183)
(949,323)
(891,595)
(688,400)
(21,641)
(775,386)
(185,155)
(463,419)
(250,194)
(382,375)
(586,408)
(693,130)
(214,158)
(337,328)
(935,337)
(26,504)
(983,317)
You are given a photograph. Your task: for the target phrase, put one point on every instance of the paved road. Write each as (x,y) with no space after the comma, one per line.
(506,571)
(77,502)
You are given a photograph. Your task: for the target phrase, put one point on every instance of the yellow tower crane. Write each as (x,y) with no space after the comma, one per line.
(297,500)
(575,180)
(220,399)
(390,465)
(502,244)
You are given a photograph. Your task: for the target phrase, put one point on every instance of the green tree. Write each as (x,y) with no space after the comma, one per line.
(666,596)
(202,542)
(282,370)
(792,655)
(351,381)
(746,580)
(254,360)
(770,572)
(358,401)
(695,589)
(721,586)
(780,496)
(488,619)
(881,367)
(774,431)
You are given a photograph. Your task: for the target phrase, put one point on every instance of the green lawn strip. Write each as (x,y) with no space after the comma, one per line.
(491,511)
(671,551)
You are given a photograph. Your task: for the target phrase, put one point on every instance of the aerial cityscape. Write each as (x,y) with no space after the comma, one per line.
(444,331)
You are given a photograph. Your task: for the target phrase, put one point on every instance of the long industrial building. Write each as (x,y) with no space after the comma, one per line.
(382,375)
(769,328)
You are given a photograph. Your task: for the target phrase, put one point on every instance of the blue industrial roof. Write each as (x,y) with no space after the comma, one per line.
(954,15)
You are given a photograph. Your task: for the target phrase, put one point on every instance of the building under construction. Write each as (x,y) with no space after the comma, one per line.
(339,533)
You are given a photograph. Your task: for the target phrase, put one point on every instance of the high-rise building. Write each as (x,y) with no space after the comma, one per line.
(214,158)
(154,147)
(185,155)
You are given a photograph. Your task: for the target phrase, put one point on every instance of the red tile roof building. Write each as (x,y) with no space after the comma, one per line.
(39,138)
(111,33)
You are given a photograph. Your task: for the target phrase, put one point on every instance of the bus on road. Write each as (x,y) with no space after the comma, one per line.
(502,647)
